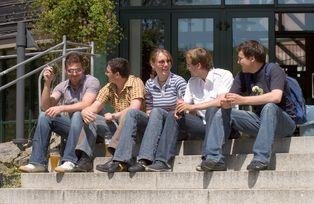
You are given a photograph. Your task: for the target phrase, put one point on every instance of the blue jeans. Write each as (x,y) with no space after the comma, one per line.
(271,122)
(88,134)
(191,124)
(69,128)
(132,131)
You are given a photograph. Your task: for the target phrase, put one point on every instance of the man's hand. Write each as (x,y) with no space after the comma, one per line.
(48,74)
(88,116)
(54,111)
(183,108)
(109,116)
(235,99)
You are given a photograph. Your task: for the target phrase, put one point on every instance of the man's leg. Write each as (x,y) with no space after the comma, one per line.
(274,121)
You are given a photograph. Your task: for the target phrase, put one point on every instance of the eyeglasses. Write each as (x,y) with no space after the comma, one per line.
(76,70)
(162,62)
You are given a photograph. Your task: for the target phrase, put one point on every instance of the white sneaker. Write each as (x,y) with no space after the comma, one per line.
(31,168)
(65,167)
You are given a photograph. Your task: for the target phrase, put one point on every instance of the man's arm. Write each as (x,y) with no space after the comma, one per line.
(87,100)
(135,104)
(47,99)
(89,113)
(274,96)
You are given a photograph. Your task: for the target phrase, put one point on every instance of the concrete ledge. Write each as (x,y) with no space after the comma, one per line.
(180,196)
(239,162)
(171,180)
(1,180)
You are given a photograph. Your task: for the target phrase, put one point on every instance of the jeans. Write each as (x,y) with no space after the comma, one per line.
(135,122)
(88,134)
(271,122)
(69,128)
(191,124)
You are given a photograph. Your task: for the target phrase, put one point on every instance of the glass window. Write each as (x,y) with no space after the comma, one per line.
(243,2)
(193,32)
(296,1)
(295,22)
(197,2)
(145,35)
(146,3)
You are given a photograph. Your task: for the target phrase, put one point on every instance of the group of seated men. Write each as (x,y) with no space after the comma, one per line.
(209,109)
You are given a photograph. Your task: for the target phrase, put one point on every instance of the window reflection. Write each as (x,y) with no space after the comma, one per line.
(296,1)
(295,22)
(147,3)
(193,32)
(197,2)
(243,2)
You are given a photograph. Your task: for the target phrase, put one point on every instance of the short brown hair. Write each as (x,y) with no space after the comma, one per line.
(199,55)
(253,48)
(73,57)
(120,65)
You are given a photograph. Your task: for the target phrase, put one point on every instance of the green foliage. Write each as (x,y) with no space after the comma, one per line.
(79,20)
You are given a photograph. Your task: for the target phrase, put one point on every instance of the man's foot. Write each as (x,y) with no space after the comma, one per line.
(117,166)
(139,166)
(85,164)
(158,166)
(65,167)
(31,168)
(257,166)
(104,167)
(210,165)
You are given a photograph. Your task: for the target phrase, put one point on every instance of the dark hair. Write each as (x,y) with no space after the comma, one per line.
(199,55)
(153,56)
(120,65)
(253,48)
(73,58)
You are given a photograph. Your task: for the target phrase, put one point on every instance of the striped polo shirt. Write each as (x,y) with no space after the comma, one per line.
(164,97)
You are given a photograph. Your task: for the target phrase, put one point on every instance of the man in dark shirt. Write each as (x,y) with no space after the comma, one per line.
(272,114)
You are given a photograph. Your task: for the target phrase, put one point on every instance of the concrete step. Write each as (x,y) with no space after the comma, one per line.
(244,145)
(181,196)
(279,161)
(171,180)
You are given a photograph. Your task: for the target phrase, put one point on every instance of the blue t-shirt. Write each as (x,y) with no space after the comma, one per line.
(244,82)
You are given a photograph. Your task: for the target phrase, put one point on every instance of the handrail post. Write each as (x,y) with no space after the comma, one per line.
(92,63)
(20,86)
(64,40)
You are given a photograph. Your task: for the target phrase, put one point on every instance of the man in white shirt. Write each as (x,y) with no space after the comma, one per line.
(202,97)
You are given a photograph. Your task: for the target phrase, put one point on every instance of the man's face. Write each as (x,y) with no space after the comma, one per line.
(245,62)
(109,74)
(75,72)
(193,69)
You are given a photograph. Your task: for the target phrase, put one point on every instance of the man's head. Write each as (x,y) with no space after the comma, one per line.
(117,68)
(198,59)
(74,68)
(251,53)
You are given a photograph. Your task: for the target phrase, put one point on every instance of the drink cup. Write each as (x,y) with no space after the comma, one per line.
(54,160)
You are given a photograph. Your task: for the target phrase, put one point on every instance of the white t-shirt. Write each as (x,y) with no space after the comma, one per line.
(218,81)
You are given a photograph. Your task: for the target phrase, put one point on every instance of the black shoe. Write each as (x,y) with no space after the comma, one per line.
(85,164)
(158,166)
(210,165)
(139,166)
(104,167)
(257,166)
(117,166)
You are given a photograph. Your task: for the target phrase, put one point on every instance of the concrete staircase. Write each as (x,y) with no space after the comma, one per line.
(291,180)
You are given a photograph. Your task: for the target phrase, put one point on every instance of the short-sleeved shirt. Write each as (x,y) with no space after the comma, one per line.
(133,89)
(69,95)
(164,97)
(217,82)
(244,82)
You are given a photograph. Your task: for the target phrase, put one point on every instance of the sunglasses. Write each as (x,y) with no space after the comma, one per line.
(75,70)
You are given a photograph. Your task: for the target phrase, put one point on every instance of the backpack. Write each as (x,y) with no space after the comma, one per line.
(295,96)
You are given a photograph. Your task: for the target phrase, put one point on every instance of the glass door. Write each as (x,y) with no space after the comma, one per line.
(190,31)
(246,26)
(144,33)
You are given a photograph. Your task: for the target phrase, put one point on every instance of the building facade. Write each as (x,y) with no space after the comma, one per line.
(284,27)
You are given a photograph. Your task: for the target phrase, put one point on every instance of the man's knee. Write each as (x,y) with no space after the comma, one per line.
(270,107)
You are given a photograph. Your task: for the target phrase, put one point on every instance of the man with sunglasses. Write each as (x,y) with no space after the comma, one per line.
(70,96)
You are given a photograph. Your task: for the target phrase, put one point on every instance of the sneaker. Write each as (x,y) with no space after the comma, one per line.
(139,166)
(117,166)
(85,164)
(158,166)
(104,167)
(210,165)
(199,167)
(65,167)
(31,168)
(257,166)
